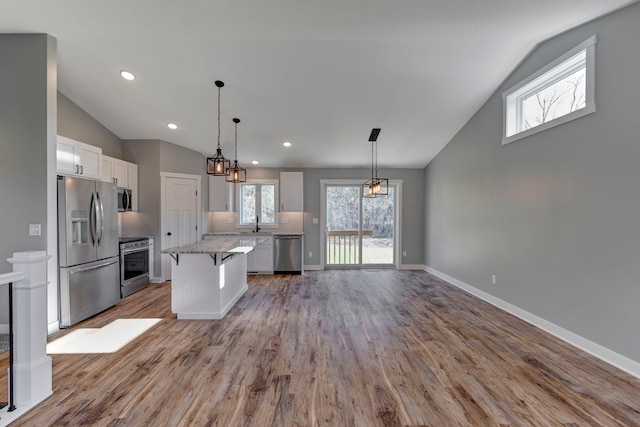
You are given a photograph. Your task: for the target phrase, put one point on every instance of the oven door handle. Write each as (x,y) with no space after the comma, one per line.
(133,250)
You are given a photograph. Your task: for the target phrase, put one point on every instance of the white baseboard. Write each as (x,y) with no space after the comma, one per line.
(420,267)
(53,327)
(155,280)
(619,361)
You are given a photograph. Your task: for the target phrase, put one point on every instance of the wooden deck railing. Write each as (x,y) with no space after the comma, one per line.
(343,247)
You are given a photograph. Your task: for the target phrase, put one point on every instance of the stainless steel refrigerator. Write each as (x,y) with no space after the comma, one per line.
(87,248)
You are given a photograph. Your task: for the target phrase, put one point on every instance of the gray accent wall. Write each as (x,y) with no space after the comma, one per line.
(75,123)
(27,144)
(412,205)
(555,216)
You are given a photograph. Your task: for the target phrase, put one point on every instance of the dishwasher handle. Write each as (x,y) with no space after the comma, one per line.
(286,237)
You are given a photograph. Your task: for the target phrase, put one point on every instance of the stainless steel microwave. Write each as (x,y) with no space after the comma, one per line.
(124,199)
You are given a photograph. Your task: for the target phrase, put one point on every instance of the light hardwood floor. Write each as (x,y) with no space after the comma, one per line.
(337,348)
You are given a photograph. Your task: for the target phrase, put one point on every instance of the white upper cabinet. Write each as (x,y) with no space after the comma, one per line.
(78,159)
(220,195)
(116,171)
(132,176)
(107,169)
(291,191)
(123,174)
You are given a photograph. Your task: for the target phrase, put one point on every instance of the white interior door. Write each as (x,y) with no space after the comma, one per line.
(180,215)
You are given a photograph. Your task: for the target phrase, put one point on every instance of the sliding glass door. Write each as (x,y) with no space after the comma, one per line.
(358,231)
(378,229)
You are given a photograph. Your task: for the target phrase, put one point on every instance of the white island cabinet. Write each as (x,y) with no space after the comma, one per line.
(208,277)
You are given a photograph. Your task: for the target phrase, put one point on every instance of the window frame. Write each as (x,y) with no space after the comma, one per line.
(259,183)
(560,68)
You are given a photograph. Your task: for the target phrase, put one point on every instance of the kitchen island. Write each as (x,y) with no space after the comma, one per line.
(208,277)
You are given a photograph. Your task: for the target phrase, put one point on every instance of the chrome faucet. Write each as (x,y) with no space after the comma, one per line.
(257,221)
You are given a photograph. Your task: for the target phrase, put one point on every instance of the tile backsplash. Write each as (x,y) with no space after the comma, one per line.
(223,222)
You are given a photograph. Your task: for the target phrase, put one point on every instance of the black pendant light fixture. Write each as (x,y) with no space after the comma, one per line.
(375,187)
(218,165)
(236,173)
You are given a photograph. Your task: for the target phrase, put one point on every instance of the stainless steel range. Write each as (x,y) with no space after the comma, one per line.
(134,264)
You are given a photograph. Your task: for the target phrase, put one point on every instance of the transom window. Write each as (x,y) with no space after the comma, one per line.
(257,202)
(560,92)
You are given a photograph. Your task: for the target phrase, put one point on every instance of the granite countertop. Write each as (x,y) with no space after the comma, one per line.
(251,234)
(219,244)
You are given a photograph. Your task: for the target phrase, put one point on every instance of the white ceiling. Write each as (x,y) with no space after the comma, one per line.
(320,73)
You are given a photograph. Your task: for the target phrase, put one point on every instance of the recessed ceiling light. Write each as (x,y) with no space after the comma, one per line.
(286,144)
(254,162)
(172,126)
(127,75)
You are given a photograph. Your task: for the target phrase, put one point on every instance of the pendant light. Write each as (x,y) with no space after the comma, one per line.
(235,172)
(375,187)
(218,165)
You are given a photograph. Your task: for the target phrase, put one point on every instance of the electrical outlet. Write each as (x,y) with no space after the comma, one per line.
(34,230)
(493,279)
(310,254)
(404,253)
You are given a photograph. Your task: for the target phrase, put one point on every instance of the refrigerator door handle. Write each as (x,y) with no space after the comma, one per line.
(100,209)
(80,270)
(92,219)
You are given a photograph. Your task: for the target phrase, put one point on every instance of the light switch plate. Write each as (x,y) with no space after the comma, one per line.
(315,220)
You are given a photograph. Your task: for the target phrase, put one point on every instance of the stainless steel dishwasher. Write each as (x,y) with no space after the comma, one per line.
(287,254)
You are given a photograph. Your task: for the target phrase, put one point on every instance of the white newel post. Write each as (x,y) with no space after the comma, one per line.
(32,366)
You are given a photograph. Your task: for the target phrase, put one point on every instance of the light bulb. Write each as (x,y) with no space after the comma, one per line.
(218,167)
(127,75)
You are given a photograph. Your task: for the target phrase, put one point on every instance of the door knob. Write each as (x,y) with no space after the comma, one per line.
(169,234)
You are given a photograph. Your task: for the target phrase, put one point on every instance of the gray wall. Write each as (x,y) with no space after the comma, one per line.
(152,158)
(75,123)
(27,132)
(412,205)
(555,216)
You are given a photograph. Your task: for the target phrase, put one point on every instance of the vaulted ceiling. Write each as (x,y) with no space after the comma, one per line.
(320,74)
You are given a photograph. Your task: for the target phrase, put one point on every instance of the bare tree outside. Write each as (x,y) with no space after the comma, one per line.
(343,222)
(258,199)
(557,100)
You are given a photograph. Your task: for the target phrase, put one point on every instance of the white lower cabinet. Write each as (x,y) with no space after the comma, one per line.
(260,260)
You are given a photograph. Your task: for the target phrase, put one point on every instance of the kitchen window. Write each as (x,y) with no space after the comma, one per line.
(258,200)
(560,92)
